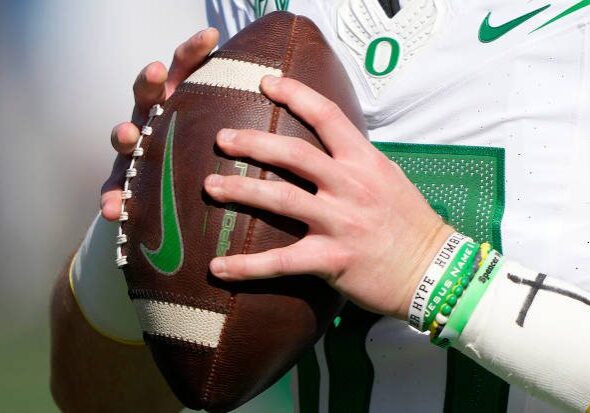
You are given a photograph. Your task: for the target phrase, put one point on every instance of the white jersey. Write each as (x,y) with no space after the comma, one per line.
(497,90)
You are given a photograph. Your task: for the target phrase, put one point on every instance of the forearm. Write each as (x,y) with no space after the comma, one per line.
(525,327)
(532,330)
(90,372)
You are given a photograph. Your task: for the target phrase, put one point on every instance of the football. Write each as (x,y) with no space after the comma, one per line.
(219,344)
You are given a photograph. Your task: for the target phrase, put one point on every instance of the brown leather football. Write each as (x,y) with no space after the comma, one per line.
(220,344)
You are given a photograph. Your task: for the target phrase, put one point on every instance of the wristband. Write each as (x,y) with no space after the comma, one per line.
(456,275)
(431,277)
(471,298)
(99,287)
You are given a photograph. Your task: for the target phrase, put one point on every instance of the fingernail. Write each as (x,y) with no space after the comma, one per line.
(218,267)
(214,180)
(270,81)
(227,135)
(201,34)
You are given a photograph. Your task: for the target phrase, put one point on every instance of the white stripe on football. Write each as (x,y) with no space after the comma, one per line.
(180,322)
(232,74)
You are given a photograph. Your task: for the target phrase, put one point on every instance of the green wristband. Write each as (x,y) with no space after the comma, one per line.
(471,298)
(461,265)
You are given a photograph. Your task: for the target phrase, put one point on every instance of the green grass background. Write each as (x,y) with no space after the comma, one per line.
(24,375)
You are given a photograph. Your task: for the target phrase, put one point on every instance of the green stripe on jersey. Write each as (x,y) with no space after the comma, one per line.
(465,184)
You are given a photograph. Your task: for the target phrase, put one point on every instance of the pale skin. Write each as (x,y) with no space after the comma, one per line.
(371,233)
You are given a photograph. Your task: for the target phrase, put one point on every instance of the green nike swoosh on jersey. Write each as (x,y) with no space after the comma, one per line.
(489,33)
(168,257)
(574,8)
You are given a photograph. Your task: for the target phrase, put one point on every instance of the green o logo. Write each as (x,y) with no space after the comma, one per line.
(382,56)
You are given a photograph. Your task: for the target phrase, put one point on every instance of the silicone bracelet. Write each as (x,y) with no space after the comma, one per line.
(461,264)
(430,279)
(465,307)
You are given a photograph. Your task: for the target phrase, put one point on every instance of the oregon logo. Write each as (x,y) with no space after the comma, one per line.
(228,222)
(382,56)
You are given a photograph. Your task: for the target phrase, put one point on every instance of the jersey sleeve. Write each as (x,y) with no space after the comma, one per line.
(229,16)
(533,330)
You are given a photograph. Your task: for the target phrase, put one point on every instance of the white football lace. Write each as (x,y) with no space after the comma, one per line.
(130,173)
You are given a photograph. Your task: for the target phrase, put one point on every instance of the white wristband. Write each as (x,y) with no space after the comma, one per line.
(99,286)
(437,268)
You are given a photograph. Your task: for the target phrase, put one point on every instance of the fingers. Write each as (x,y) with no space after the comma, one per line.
(149,88)
(154,84)
(110,199)
(278,197)
(293,154)
(110,204)
(272,263)
(124,137)
(337,132)
(189,56)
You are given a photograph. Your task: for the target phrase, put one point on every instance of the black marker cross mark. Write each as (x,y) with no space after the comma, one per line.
(535,287)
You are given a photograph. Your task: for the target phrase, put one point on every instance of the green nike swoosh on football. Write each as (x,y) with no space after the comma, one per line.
(168,257)
(489,33)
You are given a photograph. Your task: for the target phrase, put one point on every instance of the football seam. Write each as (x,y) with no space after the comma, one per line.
(177,338)
(179,342)
(216,91)
(166,296)
(248,57)
(273,125)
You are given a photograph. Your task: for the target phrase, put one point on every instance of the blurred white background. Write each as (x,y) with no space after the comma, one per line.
(66,70)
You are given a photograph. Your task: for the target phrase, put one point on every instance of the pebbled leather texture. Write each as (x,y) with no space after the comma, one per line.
(269,323)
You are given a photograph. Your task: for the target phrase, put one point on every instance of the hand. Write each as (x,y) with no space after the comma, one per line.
(371,233)
(154,84)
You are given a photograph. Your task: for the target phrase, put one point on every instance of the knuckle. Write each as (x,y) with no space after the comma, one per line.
(328,111)
(338,260)
(283,262)
(395,167)
(382,162)
(298,149)
(342,258)
(351,224)
(363,193)
(288,198)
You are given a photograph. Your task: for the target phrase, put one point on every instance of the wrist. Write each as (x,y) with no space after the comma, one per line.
(99,287)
